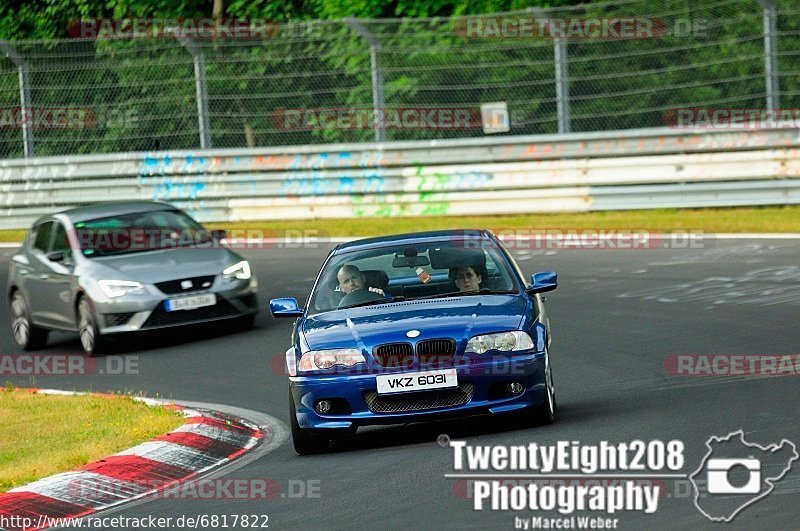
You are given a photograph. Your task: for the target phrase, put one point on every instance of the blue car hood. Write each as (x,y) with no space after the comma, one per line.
(456,317)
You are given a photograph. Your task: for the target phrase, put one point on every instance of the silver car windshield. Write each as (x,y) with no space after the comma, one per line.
(401,273)
(138,232)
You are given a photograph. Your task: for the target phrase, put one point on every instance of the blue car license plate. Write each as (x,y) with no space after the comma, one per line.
(416,381)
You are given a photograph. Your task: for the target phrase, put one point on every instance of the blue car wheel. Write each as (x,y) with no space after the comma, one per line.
(545,413)
(306,442)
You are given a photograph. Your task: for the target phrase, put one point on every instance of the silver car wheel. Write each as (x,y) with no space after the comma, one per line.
(19,324)
(85,327)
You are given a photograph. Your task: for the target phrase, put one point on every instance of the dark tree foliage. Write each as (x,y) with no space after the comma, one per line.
(48,19)
(143,90)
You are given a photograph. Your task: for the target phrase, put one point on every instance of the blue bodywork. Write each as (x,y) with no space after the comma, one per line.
(457,317)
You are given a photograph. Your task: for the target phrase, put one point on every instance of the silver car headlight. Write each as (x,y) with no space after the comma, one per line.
(240,271)
(118,288)
(502,341)
(314,360)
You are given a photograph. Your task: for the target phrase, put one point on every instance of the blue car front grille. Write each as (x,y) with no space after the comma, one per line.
(419,401)
(436,351)
(394,355)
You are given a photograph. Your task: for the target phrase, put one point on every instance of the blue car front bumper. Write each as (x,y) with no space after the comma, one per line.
(483,389)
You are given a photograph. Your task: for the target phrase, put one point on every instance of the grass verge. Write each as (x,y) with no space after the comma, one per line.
(744,219)
(42,435)
(755,219)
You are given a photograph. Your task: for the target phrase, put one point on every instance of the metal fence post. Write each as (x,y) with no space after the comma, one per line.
(201,92)
(562,85)
(771,55)
(560,63)
(24,97)
(378,101)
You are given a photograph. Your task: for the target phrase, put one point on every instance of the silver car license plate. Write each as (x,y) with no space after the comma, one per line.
(190,303)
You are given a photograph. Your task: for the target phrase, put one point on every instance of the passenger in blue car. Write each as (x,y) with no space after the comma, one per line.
(467,279)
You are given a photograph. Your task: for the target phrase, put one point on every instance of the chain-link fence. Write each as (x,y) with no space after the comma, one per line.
(615,65)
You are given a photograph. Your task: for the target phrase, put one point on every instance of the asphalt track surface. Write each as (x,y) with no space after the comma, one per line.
(616,316)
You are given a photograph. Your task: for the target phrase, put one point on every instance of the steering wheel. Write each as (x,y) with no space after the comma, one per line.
(357,297)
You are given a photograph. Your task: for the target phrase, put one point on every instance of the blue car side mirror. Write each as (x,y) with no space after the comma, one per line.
(285,307)
(544,281)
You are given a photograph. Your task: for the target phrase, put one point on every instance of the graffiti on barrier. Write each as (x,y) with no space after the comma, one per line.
(450,181)
(316,183)
(391,205)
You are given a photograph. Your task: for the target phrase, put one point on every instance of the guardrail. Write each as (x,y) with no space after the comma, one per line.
(658,168)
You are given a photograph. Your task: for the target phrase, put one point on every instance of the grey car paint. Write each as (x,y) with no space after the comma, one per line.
(51,288)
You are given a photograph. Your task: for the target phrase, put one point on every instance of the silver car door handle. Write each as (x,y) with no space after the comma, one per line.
(44,276)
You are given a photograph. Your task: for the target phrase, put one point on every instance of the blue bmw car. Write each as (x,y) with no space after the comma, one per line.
(417,327)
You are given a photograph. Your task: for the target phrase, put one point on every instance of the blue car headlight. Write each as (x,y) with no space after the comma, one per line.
(502,341)
(314,360)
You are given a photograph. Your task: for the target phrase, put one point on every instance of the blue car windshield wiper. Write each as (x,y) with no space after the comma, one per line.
(388,300)
(400,298)
(484,291)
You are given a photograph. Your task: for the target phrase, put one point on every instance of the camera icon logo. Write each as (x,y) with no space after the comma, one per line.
(718,481)
(735,474)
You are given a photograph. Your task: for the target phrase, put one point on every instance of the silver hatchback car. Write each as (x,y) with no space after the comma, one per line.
(124,267)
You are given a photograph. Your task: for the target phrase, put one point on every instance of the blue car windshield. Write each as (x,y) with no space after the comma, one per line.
(404,272)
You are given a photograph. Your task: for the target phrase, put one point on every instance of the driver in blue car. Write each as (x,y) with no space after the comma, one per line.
(354,285)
